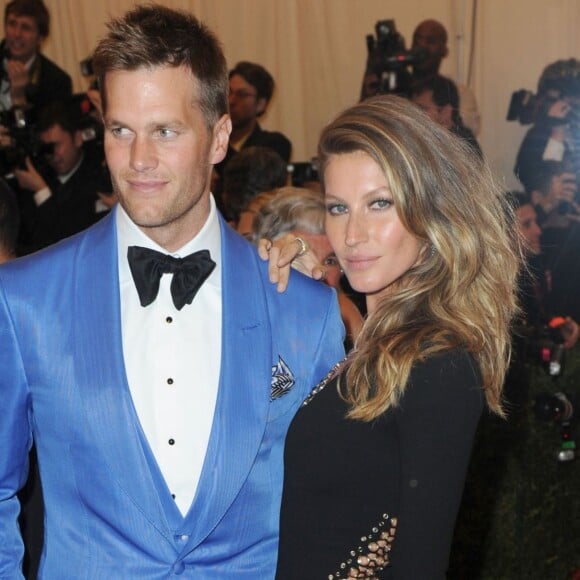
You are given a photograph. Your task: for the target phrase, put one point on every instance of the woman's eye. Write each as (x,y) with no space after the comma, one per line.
(331,261)
(381,203)
(335,208)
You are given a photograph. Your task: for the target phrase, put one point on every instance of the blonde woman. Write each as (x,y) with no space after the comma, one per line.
(375,459)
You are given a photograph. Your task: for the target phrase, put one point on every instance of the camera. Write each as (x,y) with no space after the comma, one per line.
(303,172)
(544,345)
(20,123)
(558,408)
(548,350)
(555,407)
(529,108)
(86,67)
(523,107)
(559,79)
(389,60)
(21,126)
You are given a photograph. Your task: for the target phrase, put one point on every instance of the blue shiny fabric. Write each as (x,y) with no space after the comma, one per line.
(109,513)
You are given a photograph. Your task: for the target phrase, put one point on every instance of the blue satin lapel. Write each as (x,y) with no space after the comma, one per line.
(244,390)
(102,378)
(243,396)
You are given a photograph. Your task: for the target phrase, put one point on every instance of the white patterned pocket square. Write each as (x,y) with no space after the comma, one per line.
(282,380)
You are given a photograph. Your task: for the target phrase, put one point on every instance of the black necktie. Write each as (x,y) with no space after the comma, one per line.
(189,273)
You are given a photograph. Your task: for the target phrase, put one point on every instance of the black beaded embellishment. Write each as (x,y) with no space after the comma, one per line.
(372,555)
(331,374)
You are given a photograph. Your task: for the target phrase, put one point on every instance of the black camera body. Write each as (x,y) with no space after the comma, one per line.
(86,67)
(529,108)
(303,172)
(548,350)
(559,408)
(389,60)
(523,107)
(556,407)
(542,345)
(559,79)
(20,124)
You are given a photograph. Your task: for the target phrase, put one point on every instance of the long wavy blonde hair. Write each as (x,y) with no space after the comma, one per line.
(462,293)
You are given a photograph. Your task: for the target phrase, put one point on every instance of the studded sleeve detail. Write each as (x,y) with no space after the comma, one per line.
(334,371)
(372,554)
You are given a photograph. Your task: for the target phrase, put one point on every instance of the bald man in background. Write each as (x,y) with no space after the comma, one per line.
(431,36)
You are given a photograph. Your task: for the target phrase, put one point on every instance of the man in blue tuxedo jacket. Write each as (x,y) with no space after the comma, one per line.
(159,417)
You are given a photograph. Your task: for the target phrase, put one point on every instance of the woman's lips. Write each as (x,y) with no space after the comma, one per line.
(360,262)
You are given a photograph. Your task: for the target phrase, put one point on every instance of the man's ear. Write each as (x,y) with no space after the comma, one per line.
(261,106)
(221,138)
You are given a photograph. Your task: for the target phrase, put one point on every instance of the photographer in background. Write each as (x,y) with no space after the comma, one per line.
(428,50)
(535,281)
(439,98)
(503,481)
(431,36)
(61,188)
(29,79)
(548,165)
(555,135)
(554,191)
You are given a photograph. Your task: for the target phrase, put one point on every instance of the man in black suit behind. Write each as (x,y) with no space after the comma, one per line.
(60,194)
(29,79)
(251,88)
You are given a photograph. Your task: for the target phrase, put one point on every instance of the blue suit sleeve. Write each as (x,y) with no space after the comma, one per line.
(331,346)
(15,442)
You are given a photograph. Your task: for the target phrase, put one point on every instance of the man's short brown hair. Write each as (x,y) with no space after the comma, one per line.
(151,36)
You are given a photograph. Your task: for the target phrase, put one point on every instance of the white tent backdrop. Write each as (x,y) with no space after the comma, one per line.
(316,51)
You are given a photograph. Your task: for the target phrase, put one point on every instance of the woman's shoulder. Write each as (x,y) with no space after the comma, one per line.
(450,378)
(456,361)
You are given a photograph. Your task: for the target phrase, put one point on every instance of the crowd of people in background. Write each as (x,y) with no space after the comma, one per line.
(56,183)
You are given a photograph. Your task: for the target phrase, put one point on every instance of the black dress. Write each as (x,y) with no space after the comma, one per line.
(346,480)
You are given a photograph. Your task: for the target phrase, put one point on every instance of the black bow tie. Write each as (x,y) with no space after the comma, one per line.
(189,273)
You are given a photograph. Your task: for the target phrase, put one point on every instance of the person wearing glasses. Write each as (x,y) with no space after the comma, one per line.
(251,88)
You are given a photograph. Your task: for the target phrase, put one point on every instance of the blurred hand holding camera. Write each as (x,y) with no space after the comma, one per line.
(561,190)
(30,178)
(559,109)
(557,113)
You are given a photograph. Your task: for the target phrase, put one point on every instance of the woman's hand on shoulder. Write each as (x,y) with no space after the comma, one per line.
(286,252)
